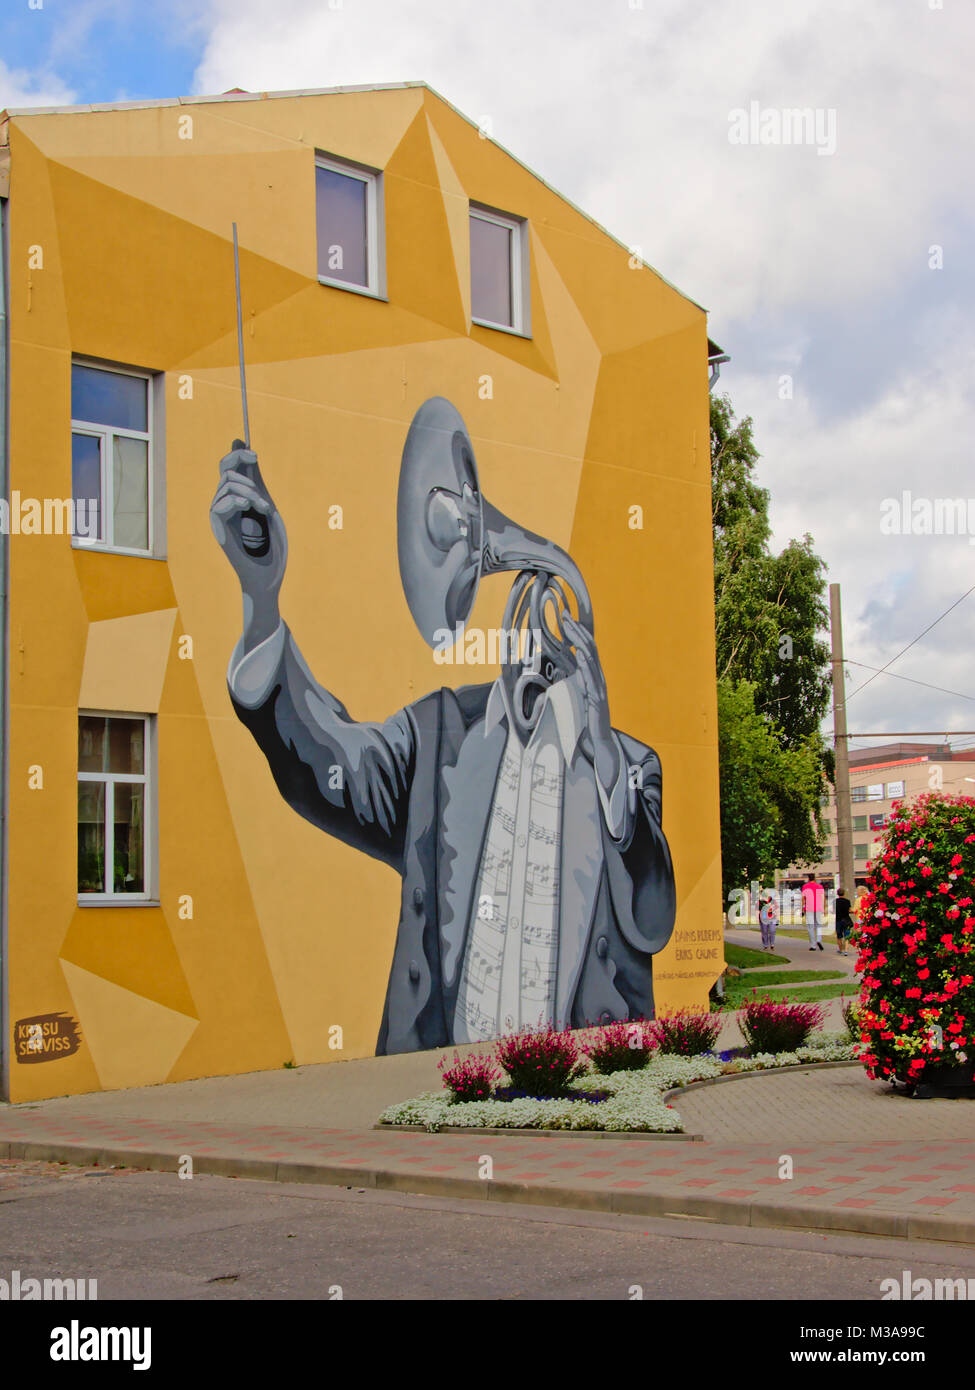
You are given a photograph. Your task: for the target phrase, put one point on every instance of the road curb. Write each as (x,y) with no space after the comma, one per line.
(763,1071)
(722,1211)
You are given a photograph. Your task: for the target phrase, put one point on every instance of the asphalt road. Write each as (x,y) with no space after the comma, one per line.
(153,1235)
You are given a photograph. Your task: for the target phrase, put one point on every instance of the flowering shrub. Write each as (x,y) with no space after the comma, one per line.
(769,1025)
(540,1063)
(685,1032)
(851,1018)
(620,1047)
(916,940)
(470,1079)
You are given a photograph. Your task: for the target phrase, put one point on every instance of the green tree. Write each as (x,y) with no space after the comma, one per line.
(770,616)
(767,790)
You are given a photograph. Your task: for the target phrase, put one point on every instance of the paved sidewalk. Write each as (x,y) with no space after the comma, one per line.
(909,1189)
(863,1159)
(797,950)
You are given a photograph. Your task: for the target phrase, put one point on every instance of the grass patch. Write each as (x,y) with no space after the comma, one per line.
(781,977)
(741,957)
(806,995)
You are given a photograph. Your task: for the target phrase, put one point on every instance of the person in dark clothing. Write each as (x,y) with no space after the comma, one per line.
(844,922)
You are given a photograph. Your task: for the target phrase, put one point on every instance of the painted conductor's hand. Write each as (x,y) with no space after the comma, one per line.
(248,526)
(598,741)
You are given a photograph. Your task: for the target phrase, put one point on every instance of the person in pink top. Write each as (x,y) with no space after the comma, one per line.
(814,910)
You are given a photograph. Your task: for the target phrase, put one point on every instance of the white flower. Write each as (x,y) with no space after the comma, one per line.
(636,1097)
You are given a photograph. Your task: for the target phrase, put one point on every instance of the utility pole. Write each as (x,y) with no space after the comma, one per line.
(844,819)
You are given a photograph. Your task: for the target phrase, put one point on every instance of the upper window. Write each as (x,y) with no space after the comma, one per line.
(348,199)
(858,793)
(113,796)
(499,270)
(111,458)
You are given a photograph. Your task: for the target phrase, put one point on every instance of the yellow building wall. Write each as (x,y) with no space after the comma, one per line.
(604,409)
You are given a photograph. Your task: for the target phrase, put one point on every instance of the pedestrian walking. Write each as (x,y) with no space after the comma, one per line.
(813,898)
(844,922)
(768,918)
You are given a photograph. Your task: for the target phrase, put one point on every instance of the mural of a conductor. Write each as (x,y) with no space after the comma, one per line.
(537,881)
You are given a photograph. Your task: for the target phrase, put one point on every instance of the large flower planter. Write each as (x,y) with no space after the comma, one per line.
(946,1083)
(916,949)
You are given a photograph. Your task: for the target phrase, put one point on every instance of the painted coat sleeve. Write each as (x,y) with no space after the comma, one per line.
(350,778)
(639,868)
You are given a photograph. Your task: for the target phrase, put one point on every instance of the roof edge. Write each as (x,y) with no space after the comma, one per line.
(92,107)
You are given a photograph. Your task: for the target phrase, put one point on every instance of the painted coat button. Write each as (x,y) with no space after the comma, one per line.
(414,971)
(418,897)
(602,946)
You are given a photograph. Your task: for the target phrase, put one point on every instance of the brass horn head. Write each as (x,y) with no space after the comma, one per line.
(448,535)
(439,515)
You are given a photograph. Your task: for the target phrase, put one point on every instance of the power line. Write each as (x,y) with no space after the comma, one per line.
(911,644)
(882,671)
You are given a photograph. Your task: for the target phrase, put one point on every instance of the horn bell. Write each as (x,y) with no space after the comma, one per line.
(448,535)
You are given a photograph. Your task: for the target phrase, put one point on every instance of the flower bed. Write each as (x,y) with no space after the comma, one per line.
(635,1102)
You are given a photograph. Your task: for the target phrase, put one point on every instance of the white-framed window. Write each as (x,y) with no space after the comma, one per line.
(115,808)
(499,270)
(112,458)
(350,226)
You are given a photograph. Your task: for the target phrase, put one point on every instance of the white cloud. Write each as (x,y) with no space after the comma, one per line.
(830,477)
(626,111)
(20,88)
(815,265)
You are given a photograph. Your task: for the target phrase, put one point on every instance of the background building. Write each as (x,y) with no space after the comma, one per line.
(880,776)
(166,915)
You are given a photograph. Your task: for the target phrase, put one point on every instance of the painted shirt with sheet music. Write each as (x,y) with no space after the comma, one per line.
(508,979)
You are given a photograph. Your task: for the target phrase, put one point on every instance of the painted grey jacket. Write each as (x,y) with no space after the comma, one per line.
(416,791)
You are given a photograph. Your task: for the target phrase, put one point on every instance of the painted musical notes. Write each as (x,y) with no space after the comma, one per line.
(512,948)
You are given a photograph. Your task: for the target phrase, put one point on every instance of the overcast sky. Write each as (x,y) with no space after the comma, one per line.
(814,260)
